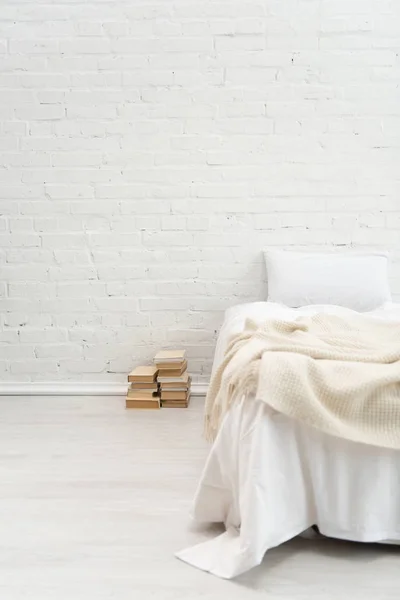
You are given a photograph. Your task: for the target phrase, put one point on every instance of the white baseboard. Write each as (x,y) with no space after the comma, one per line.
(59,388)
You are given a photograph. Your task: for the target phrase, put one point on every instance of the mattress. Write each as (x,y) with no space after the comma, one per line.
(269,478)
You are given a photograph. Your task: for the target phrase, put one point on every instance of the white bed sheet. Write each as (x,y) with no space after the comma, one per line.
(269,478)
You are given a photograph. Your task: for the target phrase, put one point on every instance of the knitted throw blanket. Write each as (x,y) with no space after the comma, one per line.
(338,374)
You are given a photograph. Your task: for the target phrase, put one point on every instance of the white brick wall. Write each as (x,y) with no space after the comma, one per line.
(149,149)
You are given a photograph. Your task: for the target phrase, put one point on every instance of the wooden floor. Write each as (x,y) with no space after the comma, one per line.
(94,502)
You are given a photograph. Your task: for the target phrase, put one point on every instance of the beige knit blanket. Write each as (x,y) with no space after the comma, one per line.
(340,375)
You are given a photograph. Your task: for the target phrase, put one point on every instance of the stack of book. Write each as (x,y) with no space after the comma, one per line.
(173,378)
(143,390)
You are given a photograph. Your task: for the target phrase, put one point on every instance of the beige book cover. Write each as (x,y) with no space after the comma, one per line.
(176,403)
(150,404)
(174,389)
(144,374)
(171,365)
(173,372)
(168,356)
(144,386)
(141,394)
(182,381)
(173,395)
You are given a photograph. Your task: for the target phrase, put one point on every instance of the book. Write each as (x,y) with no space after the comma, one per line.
(144,386)
(176,403)
(175,390)
(143,374)
(173,372)
(171,365)
(151,404)
(180,381)
(170,356)
(141,394)
(174,395)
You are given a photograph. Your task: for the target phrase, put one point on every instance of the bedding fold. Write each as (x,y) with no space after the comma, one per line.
(338,374)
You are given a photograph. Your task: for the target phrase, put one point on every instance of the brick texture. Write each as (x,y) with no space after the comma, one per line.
(149,150)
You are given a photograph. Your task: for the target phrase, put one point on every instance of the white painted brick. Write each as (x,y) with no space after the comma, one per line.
(122,273)
(40,80)
(245,109)
(221,190)
(173,223)
(89,28)
(133,319)
(72,272)
(105,111)
(193,336)
(18,267)
(141,335)
(193,79)
(123,365)
(97,79)
(9,336)
(197,224)
(240,43)
(89,45)
(56,351)
(31,290)
(39,112)
(112,321)
(84,366)
(43,335)
(13,352)
(94,207)
(51,224)
(150,151)
(58,192)
(35,46)
(21,240)
(65,240)
(90,336)
(31,367)
(392,220)
(120,191)
(112,304)
(163,239)
(72,320)
(158,27)
(151,222)
(142,77)
(115,351)
(14,128)
(17,319)
(92,97)
(163,319)
(114,240)
(36,207)
(174,272)
(258,77)
(165,304)
(51,97)
(82,159)
(27,159)
(82,289)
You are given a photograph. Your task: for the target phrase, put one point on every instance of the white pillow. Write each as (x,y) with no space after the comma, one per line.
(354,280)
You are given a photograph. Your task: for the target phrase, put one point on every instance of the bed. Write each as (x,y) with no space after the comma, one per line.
(269,478)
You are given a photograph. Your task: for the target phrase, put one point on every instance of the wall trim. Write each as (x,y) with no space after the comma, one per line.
(60,388)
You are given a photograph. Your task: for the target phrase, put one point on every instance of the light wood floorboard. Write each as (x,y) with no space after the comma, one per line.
(94,502)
